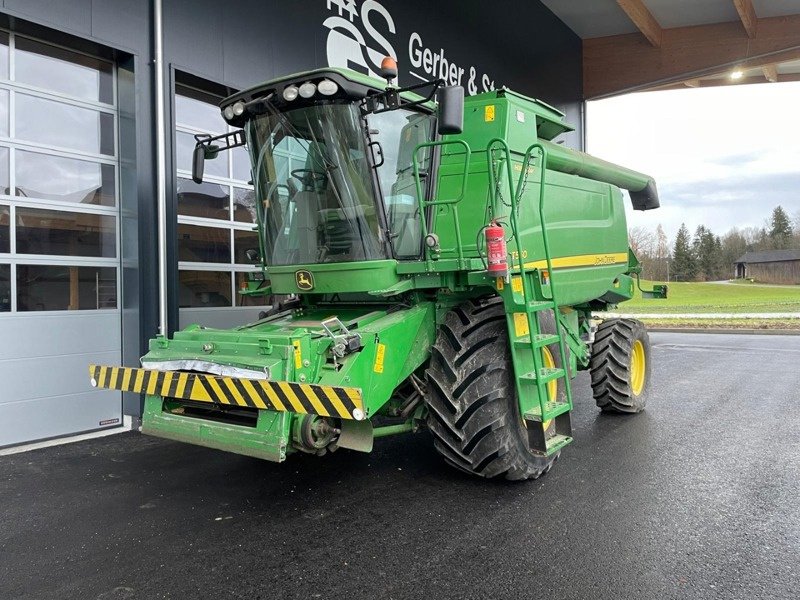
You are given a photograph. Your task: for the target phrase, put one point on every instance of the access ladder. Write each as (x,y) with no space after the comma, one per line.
(547,419)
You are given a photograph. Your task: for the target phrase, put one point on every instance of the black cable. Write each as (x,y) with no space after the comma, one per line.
(478,247)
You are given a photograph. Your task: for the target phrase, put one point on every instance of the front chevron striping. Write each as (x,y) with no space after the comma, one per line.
(281,396)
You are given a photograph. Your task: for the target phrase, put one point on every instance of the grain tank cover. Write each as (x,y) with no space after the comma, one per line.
(549,120)
(516,118)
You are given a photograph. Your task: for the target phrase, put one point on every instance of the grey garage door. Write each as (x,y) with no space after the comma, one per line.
(59,239)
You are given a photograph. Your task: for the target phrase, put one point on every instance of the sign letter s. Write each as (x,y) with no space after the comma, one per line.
(368,7)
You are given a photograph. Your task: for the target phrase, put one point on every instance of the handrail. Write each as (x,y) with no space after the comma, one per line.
(545,239)
(494,183)
(423,203)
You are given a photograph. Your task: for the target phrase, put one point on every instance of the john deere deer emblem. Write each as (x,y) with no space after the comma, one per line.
(304,280)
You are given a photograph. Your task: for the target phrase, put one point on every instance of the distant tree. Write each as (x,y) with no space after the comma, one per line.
(707,249)
(796,236)
(699,235)
(753,236)
(734,245)
(720,270)
(661,256)
(780,231)
(641,241)
(684,263)
(760,239)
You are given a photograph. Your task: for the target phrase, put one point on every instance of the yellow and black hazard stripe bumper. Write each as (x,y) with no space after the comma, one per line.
(281,396)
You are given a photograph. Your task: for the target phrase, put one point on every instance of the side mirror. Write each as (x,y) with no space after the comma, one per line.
(201,153)
(451,110)
(198,163)
(252,255)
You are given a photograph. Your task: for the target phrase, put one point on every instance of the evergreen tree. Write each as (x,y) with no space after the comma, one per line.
(720,270)
(684,264)
(707,249)
(780,231)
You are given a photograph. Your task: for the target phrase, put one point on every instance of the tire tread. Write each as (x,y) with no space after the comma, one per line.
(472,404)
(609,365)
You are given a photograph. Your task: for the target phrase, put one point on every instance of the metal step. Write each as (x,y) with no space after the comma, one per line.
(545,375)
(539,341)
(556,443)
(551,411)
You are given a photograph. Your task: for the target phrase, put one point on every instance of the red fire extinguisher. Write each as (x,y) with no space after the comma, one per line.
(496,252)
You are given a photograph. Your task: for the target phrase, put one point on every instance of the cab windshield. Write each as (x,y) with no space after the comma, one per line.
(317,188)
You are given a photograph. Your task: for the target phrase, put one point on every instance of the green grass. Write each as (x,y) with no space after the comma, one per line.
(718,298)
(757,324)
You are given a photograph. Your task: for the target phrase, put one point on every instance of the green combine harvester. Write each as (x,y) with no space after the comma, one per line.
(430,265)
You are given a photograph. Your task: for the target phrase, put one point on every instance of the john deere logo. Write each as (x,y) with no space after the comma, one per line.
(304,280)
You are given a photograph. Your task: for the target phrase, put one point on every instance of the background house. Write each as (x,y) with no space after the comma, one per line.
(771,266)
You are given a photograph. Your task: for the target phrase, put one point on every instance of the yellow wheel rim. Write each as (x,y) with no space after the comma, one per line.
(638,367)
(549,362)
(552,386)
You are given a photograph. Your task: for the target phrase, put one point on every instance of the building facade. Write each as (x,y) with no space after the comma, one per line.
(78,164)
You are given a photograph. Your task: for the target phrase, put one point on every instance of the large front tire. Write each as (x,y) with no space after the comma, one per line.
(473,410)
(620,366)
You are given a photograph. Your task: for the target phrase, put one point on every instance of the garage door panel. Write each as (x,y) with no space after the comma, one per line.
(36,335)
(26,379)
(41,418)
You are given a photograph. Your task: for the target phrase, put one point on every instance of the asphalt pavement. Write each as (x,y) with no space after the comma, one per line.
(697,497)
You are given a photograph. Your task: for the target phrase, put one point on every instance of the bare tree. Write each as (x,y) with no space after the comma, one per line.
(661,256)
(642,242)
(734,246)
(796,233)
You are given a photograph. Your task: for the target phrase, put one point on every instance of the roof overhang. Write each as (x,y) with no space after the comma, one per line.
(638,45)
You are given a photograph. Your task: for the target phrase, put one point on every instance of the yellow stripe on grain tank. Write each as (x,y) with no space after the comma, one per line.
(283,396)
(580,260)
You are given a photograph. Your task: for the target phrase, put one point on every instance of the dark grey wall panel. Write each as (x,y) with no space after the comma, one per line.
(249,53)
(122,23)
(74,16)
(193,36)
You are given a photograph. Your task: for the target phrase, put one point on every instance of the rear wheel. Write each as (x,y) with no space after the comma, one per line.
(620,366)
(473,410)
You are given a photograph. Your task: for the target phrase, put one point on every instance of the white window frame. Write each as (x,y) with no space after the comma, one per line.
(13,202)
(226,182)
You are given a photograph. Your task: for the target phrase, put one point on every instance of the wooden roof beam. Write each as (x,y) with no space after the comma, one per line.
(770,73)
(643,19)
(624,63)
(726,81)
(748,16)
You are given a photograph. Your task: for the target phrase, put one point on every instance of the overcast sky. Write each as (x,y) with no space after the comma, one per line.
(722,157)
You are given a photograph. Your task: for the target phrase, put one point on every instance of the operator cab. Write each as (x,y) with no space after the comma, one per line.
(332,157)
